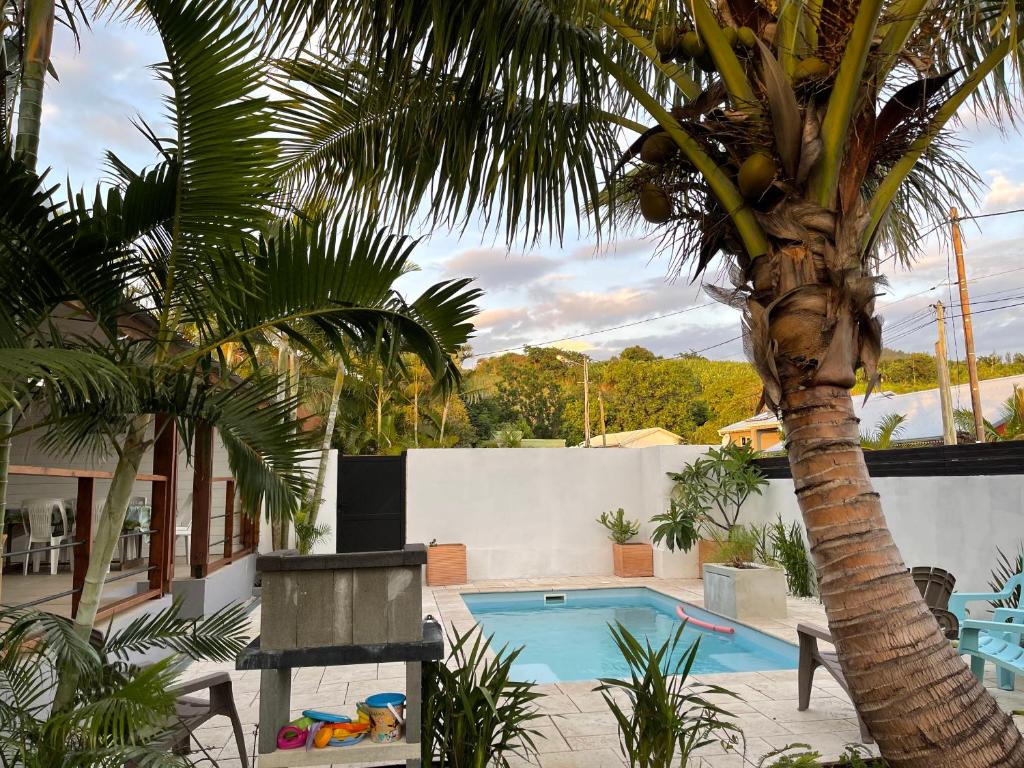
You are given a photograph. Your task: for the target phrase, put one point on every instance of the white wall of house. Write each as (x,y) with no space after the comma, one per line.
(954,523)
(328,509)
(531,513)
(525,513)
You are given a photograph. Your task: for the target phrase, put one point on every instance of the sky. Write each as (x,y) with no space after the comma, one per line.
(582,296)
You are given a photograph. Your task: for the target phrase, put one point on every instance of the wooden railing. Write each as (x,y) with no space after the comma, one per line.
(162,530)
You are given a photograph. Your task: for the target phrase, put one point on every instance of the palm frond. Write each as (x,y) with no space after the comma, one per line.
(220,636)
(347,140)
(70,375)
(223,146)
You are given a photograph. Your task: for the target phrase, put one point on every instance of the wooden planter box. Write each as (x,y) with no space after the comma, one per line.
(707,552)
(634,559)
(446,565)
(356,598)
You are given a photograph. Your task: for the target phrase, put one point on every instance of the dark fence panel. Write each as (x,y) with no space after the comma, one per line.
(940,461)
(371,503)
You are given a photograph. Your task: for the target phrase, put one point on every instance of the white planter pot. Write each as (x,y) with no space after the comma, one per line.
(757,592)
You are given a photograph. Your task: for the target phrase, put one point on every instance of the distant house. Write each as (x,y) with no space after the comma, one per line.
(635,438)
(760,432)
(922,411)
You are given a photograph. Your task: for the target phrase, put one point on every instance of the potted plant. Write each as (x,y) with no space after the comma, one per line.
(716,485)
(740,588)
(446,564)
(630,558)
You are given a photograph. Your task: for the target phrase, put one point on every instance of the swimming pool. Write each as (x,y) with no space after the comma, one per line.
(569,640)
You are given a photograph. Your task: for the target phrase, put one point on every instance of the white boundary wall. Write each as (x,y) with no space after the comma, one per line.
(531,512)
(526,513)
(954,523)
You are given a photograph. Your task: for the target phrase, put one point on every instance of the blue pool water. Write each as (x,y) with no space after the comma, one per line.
(571,641)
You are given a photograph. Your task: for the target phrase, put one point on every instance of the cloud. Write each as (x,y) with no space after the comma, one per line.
(1003,193)
(616,249)
(495,269)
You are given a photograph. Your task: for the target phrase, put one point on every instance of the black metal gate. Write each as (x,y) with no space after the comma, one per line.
(371,503)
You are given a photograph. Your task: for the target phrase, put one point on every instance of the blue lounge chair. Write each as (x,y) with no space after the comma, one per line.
(997,640)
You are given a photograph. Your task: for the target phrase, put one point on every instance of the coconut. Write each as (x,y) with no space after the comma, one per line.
(811,68)
(746,37)
(655,205)
(756,174)
(706,63)
(729,33)
(658,149)
(665,39)
(693,46)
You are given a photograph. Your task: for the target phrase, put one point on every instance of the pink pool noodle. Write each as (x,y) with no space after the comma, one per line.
(703,624)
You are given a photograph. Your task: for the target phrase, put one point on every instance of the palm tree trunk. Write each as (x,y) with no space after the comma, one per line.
(39,15)
(6,423)
(917,697)
(277,529)
(444,417)
(104,542)
(325,444)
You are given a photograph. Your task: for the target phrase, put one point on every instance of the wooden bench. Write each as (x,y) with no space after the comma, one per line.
(812,657)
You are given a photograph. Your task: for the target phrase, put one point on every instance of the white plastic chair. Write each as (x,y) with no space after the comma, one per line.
(183,527)
(39,517)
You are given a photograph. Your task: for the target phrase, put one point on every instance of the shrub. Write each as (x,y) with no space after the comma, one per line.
(790,551)
(474,714)
(667,718)
(620,530)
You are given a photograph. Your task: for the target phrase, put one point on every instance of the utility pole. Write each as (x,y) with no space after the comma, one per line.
(586,401)
(945,396)
(965,311)
(600,408)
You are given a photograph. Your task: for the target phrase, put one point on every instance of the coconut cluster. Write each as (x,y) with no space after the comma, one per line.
(755,167)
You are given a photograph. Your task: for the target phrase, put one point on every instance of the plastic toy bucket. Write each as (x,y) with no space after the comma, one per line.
(387,716)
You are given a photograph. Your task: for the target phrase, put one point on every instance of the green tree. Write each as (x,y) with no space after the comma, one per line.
(531,387)
(637,353)
(804,138)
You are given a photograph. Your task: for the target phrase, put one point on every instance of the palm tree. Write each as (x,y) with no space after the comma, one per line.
(796,139)
(193,242)
(890,427)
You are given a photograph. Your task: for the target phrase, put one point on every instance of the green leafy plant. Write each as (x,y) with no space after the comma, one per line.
(668,717)
(890,428)
(308,533)
(121,713)
(719,483)
(737,548)
(802,756)
(1007,567)
(474,714)
(790,551)
(620,530)
(679,527)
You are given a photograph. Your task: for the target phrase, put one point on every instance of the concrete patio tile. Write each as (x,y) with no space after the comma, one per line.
(589,702)
(820,709)
(754,724)
(557,704)
(586,724)
(597,741)
(577,686)
(591,758)
(801,728)
(350,674)
(549,739)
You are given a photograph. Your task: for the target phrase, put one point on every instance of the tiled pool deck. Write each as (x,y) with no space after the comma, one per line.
(577,729)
